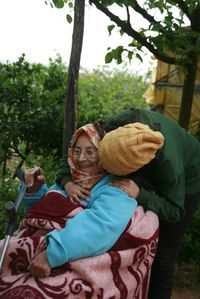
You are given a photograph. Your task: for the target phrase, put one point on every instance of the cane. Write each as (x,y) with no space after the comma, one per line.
(12,209)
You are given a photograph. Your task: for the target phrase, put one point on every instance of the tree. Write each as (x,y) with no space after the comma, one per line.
(165,37)
(31,97)
(73,74)
(103,92)
(70,108)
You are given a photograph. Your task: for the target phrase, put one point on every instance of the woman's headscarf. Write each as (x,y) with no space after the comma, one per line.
(82,178)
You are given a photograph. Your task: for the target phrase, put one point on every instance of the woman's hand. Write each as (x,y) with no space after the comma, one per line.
(39,266)
(34,178)
(76,192)
(126,185)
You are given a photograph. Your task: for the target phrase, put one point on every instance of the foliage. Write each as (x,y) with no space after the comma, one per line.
(170,28)
(190,250)
(31,97)
(8,192)
(61,4)
(32,104)
(170,31)
(104,93)
(188,266)
(164,32)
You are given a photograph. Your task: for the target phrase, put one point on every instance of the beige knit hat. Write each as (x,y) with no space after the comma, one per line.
(126,149)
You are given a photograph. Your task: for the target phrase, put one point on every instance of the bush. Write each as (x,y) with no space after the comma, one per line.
(190,250)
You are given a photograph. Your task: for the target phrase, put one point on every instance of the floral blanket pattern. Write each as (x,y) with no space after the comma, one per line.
(121,273)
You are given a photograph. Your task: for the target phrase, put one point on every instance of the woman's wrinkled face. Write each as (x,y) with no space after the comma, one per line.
(85,155)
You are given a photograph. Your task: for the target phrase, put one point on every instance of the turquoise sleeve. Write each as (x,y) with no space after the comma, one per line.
(94,230)
(27,201)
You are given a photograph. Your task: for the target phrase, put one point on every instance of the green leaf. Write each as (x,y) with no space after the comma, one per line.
(139,57)
(107,2)
(110,28)
(70,4)
(118,54)
(69,18)
(59,3)
(130,55)
(109,57)
(121,32)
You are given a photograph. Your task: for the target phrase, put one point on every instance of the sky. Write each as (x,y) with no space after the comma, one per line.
(42,32)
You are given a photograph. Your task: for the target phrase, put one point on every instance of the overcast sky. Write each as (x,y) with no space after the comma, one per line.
(39,31)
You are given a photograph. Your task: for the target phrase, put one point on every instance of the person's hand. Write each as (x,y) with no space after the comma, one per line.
(126,185)
(34,178)
(39,266)
(75,192)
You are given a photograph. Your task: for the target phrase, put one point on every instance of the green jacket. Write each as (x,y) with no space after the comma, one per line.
(173,173)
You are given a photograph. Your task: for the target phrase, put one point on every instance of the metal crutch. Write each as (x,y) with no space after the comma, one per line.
(12,209)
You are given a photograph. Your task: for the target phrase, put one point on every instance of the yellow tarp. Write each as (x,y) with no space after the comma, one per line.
(166,89)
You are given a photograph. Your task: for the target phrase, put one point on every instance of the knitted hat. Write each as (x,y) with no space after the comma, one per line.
(126,149)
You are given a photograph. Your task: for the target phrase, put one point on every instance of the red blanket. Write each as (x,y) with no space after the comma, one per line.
(121,273)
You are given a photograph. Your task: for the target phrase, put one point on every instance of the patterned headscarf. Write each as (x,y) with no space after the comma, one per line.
(82,178)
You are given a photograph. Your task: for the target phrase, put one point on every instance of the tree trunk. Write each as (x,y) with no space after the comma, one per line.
(4,161)
(73,74)
(187,95)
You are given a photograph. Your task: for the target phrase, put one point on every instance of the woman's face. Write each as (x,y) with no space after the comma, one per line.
(85,155)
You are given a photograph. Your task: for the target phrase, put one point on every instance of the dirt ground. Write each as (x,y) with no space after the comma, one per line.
(182,293)
(186,281)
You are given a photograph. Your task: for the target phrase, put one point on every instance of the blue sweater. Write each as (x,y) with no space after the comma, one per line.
(95,229)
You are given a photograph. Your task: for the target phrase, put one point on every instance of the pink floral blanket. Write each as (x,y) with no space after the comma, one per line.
(121,273)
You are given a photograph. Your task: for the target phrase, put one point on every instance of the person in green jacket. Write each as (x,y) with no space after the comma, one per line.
(168,185)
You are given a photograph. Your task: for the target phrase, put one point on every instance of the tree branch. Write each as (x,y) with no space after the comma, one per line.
(150,19)
(131,32)
(17,151)
(144,13)
(128,15)
(182,5)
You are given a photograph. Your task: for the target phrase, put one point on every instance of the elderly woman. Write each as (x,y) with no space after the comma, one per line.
(96,228)
(56,235)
